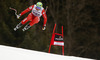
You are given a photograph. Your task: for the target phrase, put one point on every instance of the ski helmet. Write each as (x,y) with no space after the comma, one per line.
(39,5)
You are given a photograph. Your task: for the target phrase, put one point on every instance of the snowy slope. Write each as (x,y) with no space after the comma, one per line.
(11,53)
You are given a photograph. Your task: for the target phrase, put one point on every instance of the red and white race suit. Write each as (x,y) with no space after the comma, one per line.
(34,16)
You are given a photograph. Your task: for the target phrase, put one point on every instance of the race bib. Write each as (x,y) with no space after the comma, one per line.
(36,13)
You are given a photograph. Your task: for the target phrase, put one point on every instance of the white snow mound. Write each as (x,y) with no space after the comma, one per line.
(12,53)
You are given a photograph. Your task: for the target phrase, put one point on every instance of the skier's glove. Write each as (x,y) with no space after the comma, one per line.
(18,16)
(44,27)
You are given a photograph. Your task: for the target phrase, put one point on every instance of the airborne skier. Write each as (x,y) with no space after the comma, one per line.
(33,17)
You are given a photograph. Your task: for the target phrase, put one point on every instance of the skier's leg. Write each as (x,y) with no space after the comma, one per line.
(23,22)
(34,21)
(18,26)
(26,27)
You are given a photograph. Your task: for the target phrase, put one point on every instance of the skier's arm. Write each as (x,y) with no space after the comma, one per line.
(26,10)
(45,19)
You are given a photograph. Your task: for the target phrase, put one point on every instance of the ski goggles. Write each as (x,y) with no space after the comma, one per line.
(38,7)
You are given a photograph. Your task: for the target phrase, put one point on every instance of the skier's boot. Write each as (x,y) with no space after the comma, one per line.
(26,27)
(18,26)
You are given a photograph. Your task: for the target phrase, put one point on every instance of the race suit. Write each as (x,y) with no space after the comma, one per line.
(34,16)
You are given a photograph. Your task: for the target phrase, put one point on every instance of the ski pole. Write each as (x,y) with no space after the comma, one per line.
(14,10)
(46,8)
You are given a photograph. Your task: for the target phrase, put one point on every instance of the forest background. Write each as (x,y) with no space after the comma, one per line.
(80,19)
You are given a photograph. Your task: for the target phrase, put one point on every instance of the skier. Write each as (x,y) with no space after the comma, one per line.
(33,17)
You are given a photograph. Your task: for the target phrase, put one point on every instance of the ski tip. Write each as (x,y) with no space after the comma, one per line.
(23,30)
(15,29)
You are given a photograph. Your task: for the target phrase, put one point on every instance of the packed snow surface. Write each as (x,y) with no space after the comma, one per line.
(12,53)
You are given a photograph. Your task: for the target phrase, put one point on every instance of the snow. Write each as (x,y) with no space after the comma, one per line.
(12,53)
